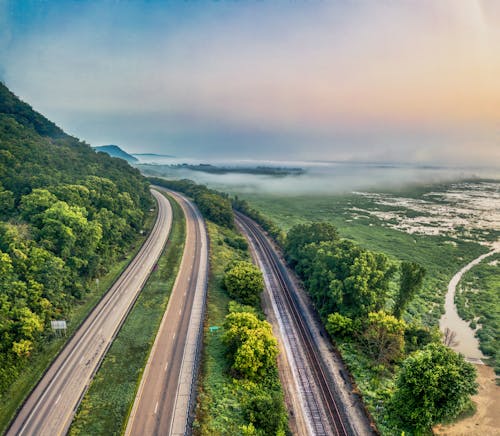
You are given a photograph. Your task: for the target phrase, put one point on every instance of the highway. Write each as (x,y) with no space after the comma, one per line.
(321,406)
(50,407)
(164,398)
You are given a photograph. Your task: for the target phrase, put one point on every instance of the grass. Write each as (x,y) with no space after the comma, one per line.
(107,403)
(440,257)
(46,353)
(218,410)
(222,406)
(376,386)
(478,301)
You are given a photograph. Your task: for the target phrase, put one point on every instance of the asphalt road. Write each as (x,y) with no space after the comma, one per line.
(50,407)
(163,400)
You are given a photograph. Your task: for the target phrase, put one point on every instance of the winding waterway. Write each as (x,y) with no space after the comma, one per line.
(465,340)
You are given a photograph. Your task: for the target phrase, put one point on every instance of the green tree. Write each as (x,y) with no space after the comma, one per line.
(70,213)
(266,411)
(6,202)
(257,354)
(411,279)
(433,385)
(33,204)
(339,325)
(251,344)
(22,348)
(303,234)
(383,337)
(244,282)
(237,327)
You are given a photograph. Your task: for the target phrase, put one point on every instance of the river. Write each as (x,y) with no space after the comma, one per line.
(465,340)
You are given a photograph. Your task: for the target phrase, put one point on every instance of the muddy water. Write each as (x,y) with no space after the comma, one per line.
(467,343)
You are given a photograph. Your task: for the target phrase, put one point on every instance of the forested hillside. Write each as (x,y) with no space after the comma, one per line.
(66,213)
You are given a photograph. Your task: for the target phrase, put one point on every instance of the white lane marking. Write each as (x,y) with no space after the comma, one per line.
(173,337)
(180,311)
(166,366)
(156,407)
(58,398)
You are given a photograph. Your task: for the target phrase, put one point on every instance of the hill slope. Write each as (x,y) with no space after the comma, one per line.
(66,214)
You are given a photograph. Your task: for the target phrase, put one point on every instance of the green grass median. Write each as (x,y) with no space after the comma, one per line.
(107,403)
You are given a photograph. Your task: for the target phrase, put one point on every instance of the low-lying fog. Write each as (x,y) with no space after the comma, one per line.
(319,177)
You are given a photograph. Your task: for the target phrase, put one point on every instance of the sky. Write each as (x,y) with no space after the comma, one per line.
(393,81)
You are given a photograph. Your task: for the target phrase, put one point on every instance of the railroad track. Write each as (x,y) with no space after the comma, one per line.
(311,354)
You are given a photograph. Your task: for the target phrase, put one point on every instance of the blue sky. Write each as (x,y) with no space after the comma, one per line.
(390,81)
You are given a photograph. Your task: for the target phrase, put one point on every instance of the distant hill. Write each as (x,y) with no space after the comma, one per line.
(151,155)
(258,170)
(115,151)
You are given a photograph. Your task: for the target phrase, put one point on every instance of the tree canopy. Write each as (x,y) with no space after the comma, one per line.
(433,385)
(411,278)
(341,277)
(213,204)
(66,213)
(251,344)
(244,283)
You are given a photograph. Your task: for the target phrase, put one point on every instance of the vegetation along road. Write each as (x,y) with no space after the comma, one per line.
(51,405)
(323,405)
(164,399)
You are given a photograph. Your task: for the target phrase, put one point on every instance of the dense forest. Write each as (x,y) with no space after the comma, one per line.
(66,213)
(213,205)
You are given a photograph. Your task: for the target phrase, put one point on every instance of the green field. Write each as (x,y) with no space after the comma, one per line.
(478,300)
(441,255)
(107,403)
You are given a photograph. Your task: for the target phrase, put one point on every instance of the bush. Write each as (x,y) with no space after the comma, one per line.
(244,283)
(266,411)
(238,242)
(434,385)
(251,345)
(339,325)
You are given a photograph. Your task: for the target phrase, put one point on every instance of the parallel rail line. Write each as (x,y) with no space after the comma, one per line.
(328,397)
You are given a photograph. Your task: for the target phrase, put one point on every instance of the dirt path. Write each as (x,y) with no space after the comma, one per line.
(466,342)
(486,421)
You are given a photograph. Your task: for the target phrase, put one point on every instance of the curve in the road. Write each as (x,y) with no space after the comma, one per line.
(164,398)
(51,405)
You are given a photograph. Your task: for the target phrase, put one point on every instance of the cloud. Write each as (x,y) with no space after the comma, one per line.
(320,79)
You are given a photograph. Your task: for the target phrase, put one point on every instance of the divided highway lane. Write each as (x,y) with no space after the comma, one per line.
(51,405)
(163,401)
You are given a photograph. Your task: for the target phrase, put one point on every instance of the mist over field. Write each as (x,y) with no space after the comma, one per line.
(318,177)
